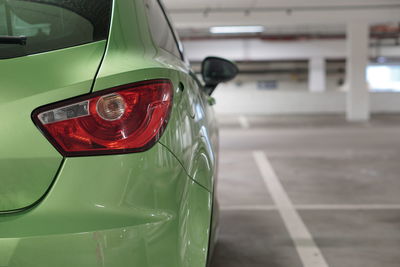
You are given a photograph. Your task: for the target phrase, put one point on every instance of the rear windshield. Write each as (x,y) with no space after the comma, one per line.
(34,26)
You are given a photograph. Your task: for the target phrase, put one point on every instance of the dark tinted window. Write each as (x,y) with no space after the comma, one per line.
(160,29)
(52,24)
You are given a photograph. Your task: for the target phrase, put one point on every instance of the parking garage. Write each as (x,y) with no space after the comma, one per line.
(265,134)
(309,130)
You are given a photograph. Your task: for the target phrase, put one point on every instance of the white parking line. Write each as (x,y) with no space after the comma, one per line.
(249,207)
(320,207)
(244,123)
(349,207)
(308,251)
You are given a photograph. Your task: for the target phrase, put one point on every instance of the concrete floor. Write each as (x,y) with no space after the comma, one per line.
(341,179)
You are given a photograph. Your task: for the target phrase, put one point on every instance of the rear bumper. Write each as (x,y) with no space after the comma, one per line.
(126,210)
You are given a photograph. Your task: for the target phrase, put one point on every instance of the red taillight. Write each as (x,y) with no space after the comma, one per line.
(128,118)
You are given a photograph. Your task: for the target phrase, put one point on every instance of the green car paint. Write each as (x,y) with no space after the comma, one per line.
(136,209)
(146,209)
(192,134)
(28,163)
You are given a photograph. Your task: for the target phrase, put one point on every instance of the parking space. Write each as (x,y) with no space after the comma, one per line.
(339,177)
(254,238)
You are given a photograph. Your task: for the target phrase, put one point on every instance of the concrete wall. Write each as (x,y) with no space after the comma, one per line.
(248,100)
(292,97)
(262,50)
(254,49)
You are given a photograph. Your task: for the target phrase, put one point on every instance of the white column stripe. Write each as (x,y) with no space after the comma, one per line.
(244,123)
(308,251)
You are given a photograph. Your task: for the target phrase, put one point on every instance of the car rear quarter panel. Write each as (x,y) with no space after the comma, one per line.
(140,209)
(131,56)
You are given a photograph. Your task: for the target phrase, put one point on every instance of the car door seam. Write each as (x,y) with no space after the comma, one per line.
(183,167)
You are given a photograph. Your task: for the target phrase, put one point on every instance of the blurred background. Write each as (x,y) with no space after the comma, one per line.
(311,52)
(309,172)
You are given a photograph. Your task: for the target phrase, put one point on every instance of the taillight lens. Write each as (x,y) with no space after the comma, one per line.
(128,118)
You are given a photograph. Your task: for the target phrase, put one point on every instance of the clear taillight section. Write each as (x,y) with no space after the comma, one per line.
(129,118)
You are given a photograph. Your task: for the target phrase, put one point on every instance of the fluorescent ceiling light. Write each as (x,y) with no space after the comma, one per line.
(237,29)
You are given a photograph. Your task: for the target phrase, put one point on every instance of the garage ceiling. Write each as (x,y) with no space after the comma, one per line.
(177,5)
(310,15)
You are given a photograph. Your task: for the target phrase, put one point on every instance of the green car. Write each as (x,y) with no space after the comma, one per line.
(108,143)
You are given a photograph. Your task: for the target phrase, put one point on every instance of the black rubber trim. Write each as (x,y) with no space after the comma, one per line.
(174,34)
(209,255)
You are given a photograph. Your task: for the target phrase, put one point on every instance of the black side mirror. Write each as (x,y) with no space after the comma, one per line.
(216,70)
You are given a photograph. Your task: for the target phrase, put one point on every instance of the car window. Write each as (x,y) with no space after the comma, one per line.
(52,24)
(160,28)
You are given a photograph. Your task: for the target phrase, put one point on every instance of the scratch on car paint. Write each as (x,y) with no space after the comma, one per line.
(98,237)
(8,246)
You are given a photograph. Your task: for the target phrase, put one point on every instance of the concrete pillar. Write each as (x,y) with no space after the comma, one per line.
(357,61)
(317,74)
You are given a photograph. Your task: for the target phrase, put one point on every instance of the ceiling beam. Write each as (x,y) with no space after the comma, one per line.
(222,17)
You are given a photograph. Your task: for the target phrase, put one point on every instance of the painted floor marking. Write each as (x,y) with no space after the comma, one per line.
(249,207)
(308,251)
(349,207)
(244,122)
(319,207)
